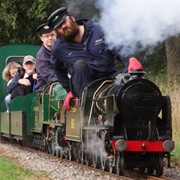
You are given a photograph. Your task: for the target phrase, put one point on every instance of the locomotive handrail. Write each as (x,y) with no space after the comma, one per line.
(93,99)
(47,88)
(102,98)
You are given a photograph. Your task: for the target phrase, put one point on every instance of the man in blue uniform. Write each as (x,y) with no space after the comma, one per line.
(80,54)
(45,72)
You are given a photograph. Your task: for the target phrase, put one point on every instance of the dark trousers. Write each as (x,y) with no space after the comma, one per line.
(21,90)
(82,75)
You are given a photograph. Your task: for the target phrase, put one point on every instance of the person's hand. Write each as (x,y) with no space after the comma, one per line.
(67,101)
(35,76)
(25,82)
(134,64)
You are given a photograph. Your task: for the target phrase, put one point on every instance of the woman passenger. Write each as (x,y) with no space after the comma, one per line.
(7,74)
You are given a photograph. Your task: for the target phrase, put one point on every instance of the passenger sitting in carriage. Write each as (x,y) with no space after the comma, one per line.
(23,81)
(8,74)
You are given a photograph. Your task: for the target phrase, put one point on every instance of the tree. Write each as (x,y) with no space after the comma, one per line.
(173,59)
(20,18)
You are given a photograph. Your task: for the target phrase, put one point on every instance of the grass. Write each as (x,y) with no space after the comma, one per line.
(172,89)
(174,92)
(176,154)
(11,171)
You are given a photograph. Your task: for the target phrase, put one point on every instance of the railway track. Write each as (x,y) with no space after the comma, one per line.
(146,176)
(129,175)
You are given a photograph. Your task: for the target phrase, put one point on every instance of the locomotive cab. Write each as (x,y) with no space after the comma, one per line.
(95,104)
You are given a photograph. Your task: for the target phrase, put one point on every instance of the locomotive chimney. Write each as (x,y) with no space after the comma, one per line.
(136,74)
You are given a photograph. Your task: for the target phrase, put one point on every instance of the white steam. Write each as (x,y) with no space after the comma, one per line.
(145,22)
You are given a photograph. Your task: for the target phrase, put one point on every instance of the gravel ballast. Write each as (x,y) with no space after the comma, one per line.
(56,168)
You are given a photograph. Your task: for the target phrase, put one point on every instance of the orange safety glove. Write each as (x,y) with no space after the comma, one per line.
(134,64)
(70,101)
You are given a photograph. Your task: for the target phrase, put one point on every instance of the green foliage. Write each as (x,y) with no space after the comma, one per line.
(82,9)
(20,18)
(154,60)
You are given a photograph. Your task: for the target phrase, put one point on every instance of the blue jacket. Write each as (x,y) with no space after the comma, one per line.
(44,70)
(93,49)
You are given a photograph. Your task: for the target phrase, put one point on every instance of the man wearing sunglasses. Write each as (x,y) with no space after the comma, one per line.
(80,54)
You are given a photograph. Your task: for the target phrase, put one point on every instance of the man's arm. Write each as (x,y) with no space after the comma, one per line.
(44,68)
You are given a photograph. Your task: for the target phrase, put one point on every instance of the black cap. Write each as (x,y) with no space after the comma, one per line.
(43,28)
(57,17)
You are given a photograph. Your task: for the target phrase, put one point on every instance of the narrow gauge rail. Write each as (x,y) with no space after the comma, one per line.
(13,150)
(119,124)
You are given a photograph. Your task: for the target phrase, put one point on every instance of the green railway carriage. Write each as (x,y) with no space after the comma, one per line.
(15,125)
(16,51)
(32,116)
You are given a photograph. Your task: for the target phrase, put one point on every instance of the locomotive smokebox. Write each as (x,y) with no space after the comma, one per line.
(139,102)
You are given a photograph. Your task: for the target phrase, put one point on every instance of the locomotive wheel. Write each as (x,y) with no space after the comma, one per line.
(95,159)
(48,148)
(150,170)
(107,164)
(66,153)
(88,159)
(103,162)
(159,170)
(58,152)
(76,153)
(53,147)
(61,153)
(82,157)
(119,165)
(110,164)
(83,154)
(141,169)
(70,153)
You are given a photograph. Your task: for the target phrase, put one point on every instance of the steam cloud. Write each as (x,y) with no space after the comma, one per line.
(134,22)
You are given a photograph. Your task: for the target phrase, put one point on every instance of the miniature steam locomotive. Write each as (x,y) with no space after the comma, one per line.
(119,124)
